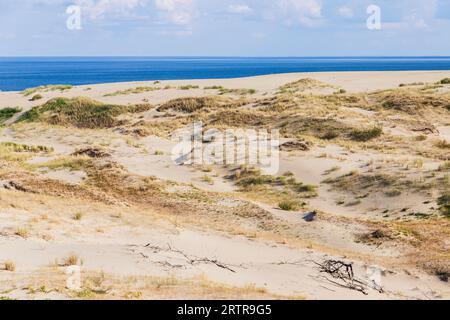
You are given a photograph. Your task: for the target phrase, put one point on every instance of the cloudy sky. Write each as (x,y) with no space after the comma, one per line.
(224,28)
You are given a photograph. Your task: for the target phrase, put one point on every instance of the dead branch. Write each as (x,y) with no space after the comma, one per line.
(342,274)
(192,260)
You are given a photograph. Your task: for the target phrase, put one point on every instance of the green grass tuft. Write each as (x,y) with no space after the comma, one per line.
(80,112)
(60,87)
(366,135)
(7,113)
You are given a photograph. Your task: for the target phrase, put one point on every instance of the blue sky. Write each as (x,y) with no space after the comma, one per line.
(224,28)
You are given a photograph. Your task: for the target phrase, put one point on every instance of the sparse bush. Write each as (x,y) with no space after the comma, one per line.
(445,81)
(366,135)
(288,205)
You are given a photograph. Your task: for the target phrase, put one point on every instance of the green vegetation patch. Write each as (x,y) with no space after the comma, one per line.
(60,87)
(7,113)
(81,113)
(136,90)
(248,177)
(15,147)
(410,101)
(366,134)
(444,204)
(193,104)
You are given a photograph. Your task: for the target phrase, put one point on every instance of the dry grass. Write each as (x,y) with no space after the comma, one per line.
(289,205)
(191,105)
(10,266)
(101,286)
(136,90)
(47,88)
(302,85)
(71,260)
(411,102)
(81,112)
(78,216)
(22,232)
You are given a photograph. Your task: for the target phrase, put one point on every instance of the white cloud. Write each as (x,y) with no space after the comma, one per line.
(305,12)
(346,12)
(176,11)
(239,8)
(98,8)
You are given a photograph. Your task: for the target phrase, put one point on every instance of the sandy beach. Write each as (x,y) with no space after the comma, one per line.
(87,179)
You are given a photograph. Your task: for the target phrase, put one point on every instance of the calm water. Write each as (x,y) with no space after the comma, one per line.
(21,73)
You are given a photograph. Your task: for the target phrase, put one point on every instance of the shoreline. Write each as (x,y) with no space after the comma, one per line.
(288,75)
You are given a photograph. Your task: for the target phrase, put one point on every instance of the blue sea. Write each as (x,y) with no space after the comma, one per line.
(21,73)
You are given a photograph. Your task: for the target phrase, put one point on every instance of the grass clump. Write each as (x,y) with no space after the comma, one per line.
(70,163)
(22,232)
(443,144)
(208,179)
(78,216)
(445,81)
(240,92)
(214,88)
(188,87)
(250,179)
(366,135)
(410,102)
(301,85)
(289,205)
(80,112)
(10,266)
(7,113)
(189,105)
(62,88)
(15,147)
(136,90)
(36,97)
(71,260)
(444,204)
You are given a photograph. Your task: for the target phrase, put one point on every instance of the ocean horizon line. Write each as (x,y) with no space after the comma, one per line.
(19,73)
(232,56)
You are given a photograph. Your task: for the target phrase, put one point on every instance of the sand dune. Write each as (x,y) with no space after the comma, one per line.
(368,158)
